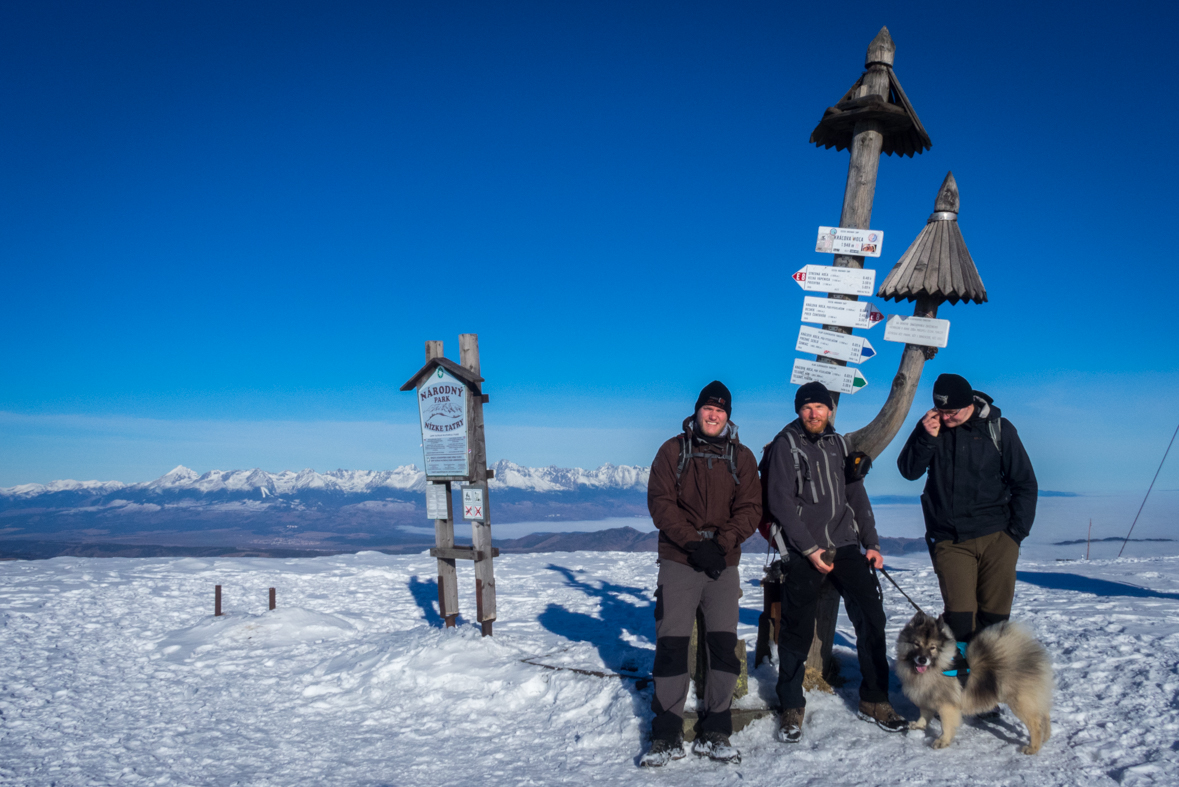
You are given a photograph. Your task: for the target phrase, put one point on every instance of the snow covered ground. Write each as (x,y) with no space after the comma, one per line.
(114,671)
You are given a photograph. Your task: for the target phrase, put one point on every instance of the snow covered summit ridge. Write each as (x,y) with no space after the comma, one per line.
(508,475)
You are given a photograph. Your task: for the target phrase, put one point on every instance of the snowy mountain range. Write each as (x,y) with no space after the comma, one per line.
(408,478)
(302,510)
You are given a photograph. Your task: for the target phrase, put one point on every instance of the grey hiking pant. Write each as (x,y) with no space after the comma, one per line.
(681,590)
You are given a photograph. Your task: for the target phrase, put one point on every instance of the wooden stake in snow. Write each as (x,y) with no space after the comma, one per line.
(272,598)
(217,601)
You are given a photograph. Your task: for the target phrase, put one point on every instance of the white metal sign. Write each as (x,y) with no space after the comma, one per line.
(828,278)
(473,502)
(841,240)
(829,344)
(442,404)
(834,378)
(926,331)
(436,502)
(831,311)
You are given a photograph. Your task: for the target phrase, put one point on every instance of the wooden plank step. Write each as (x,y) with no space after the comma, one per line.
(742,718)
(461,553)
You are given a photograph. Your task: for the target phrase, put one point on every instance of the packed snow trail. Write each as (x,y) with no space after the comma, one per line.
(114,671)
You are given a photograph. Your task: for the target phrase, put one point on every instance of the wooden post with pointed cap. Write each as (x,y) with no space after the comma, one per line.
(937,267)
(874,116)
(867,142)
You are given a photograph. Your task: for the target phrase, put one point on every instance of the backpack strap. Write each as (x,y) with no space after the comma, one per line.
(686,455)
(802,468)
(731,459)
(995,427)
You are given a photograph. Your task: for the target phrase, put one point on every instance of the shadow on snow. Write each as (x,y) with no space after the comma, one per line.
(1098,587)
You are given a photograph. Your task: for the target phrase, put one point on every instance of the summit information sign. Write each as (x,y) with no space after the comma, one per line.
(442,405)
(843,240)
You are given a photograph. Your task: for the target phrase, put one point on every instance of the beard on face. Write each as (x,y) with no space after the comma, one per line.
(813,429)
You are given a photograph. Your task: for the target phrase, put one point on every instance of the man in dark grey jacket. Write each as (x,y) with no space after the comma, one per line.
(825,518)
(979,503)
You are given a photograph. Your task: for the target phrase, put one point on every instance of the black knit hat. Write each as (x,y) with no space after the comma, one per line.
(813,393)
(952,392)
(717,395)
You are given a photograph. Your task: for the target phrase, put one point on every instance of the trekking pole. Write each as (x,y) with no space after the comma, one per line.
(898,587)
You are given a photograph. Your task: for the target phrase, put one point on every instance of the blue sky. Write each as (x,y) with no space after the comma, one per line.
(228,228)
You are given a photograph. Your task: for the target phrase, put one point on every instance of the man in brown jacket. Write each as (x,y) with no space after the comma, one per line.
(705,498)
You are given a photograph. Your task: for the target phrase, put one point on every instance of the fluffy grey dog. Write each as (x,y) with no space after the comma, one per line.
(1007,664)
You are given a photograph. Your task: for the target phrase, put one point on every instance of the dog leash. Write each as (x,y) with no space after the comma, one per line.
(898,587)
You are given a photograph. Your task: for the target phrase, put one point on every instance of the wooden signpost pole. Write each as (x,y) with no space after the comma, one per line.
(858,195)
(444,536)
(480,528)
(874,116)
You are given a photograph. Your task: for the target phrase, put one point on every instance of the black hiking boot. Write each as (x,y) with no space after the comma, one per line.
(662,752)
(715,746)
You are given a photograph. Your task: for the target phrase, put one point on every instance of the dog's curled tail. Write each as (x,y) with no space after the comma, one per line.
(1013,667)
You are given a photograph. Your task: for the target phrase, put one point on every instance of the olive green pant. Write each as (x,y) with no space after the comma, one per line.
(977,579)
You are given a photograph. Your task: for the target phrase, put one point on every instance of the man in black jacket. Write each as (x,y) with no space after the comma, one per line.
(979,503)
(826,519)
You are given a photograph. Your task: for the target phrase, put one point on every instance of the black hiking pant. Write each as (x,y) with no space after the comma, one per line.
(864,603)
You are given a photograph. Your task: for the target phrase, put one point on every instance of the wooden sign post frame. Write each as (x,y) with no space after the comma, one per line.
(481,551)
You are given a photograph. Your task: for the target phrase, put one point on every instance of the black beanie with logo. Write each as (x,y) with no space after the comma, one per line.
(952,392)
(717,395)
(813,393)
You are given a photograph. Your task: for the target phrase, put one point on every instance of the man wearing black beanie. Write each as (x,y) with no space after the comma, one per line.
(817,499)
(979,503)
(705,498)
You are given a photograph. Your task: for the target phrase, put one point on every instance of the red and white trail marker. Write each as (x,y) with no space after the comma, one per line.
(828,278)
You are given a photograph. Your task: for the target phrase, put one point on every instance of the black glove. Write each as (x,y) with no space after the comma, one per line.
(707,556)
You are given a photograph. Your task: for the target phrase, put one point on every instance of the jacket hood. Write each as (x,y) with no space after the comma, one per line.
(984,408)
(728,433)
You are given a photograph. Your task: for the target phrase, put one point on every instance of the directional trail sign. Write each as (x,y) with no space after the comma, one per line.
(842,240)
(834,378)
(830,311)
(926,331)
(829,344)
(828,278)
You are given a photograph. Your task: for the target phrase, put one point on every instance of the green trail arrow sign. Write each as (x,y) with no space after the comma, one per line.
(840,379)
